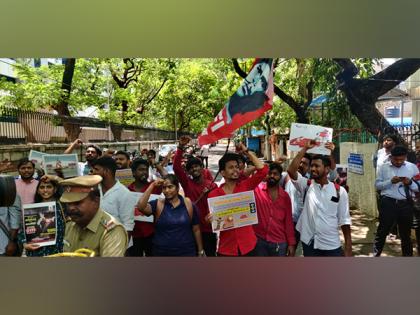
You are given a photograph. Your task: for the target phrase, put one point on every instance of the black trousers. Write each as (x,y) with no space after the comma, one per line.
(209,243)
(142,246)
(391,211)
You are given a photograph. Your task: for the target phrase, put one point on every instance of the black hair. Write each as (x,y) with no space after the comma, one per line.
(106,162)
(56,195)
(227,158)
(399,150)
(151,151)
(276,166)
(24,161)
(309,157)
(391,136)
(193,161)
(123,153)
(97,149)
(172,178)
(137,162)
(326,161)
(7,190)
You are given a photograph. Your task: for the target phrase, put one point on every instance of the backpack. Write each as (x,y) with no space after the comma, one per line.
(161,204)
(336,186)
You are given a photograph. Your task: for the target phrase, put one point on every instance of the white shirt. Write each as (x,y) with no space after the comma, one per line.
(116,202)
(384,175)
(381,158)
(296,195)
(205,150)
(321,217)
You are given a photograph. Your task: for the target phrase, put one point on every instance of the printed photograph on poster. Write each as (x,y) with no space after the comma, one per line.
(300,134)
(232,211)
(36,158)
(125,176)
(39,223)
(341,178)
(134,199)
(63,165)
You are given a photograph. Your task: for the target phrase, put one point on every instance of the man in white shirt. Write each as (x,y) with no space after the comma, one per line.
(114,195)
(325,210)
(394,180)
(384,155)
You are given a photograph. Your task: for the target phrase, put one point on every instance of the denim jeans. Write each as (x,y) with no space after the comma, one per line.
(310,251)
(265,248)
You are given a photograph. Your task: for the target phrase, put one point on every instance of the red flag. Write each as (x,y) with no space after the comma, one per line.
(253,98)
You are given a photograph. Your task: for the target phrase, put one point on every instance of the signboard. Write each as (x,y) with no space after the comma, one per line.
(355,163)
(40,223)
(300,134)
(36,158)
(134,199)
(233,211)
(125,176)
(62,165)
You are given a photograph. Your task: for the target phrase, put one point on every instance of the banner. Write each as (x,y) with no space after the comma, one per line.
(253,98)
(134,199)
(124,176)
(233,211)
(36,158)
(300,134)
(62,165)
(40,223)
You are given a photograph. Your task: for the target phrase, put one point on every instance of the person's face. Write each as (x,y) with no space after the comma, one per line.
(83,211)
(195,171)
(398,161)
(169,190)
(274,177)
(46,190)
(26,171)
(318,170)
(231,170)
(91,154)
(142,173)
(303,166)
(151,157)
(101,171)
(122,161)
(388,143)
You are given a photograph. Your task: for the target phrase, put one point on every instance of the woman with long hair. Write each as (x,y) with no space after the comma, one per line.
(47,191)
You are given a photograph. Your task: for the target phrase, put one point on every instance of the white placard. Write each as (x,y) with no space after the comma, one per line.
(301,133)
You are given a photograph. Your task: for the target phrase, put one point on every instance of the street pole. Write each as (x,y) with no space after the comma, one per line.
(176,133)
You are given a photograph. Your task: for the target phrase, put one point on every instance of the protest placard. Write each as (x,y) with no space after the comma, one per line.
(36,158)
(39,223)
(125,176)
(301,133)
(233,211)
(134,197)
(63,165)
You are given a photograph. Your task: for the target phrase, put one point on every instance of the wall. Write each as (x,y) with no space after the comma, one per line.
(362,192)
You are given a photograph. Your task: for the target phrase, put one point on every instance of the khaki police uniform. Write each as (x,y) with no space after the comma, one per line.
(104,234)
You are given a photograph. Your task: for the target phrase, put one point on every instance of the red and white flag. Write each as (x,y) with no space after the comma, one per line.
(253,98)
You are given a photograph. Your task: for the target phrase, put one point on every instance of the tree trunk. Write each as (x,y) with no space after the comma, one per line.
(362,94)
(116,131)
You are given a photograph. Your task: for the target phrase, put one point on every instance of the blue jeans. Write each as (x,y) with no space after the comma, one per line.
(265,248)
(310,251)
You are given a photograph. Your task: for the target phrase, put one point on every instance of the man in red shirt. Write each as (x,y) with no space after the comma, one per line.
(143,231)
(196,186)
(239,241)
(275,230)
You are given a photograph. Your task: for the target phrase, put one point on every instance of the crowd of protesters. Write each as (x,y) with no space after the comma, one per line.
(304,204)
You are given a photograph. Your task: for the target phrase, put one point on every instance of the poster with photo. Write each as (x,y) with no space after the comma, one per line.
(62,165)
(134,199)
(39,223)
(301,133)
(36,158)
(233,211)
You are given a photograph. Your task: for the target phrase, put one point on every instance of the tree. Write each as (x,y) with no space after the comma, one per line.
(363,93)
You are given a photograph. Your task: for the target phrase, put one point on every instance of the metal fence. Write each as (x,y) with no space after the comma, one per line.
(19,126)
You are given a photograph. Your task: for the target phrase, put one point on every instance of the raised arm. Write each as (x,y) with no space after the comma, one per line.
(143,204)
(293,168)
(74,145)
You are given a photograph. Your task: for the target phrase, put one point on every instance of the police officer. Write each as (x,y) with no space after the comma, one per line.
(90,227)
